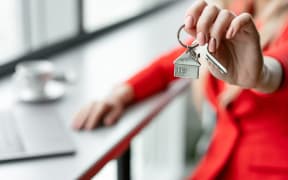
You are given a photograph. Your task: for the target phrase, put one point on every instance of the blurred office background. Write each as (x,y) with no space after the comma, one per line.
(39,28)
(29,25)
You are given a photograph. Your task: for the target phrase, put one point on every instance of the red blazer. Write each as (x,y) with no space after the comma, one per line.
(251,136)
(250,140)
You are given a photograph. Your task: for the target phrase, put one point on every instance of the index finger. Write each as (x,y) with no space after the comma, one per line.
(193,13)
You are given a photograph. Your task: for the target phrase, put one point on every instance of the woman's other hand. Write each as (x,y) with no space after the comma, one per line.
(105,112)
(233,40)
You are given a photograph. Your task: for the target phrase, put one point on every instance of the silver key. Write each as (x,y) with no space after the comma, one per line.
(209,57)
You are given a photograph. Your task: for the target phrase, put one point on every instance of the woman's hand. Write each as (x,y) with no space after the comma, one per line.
(233,40)
(105,112)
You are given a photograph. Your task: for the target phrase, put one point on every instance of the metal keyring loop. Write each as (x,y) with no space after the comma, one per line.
(182,44)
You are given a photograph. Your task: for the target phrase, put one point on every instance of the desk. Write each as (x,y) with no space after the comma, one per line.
(99,66)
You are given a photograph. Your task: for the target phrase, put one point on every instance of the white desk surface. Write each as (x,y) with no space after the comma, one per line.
(99,66)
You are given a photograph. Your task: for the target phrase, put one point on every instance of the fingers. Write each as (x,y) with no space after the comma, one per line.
(192,16)
(114,115)
(239,22)
(194,12)
(210,24)
(219,29)
(95,113)
(199,18)
(81,117)
(205,22)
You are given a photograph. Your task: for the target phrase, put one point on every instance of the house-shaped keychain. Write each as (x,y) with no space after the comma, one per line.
(187,65)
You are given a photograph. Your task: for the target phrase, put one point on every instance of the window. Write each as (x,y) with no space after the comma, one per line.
(11,36)
(51,21)
(99,14)
(31,27)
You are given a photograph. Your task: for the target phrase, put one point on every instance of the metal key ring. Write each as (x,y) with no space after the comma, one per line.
(182,44)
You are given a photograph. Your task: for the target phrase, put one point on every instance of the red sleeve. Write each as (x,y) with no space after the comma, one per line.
(280,53)
(156,76)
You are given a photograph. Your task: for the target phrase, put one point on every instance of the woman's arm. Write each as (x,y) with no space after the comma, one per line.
(150,80)
(156,76)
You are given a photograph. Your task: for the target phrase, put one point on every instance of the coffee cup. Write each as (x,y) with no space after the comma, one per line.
(34,75)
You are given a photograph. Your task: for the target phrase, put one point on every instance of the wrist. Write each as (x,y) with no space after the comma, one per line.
(271,76)
(263,79)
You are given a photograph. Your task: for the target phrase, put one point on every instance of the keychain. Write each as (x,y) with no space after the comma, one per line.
(187,65)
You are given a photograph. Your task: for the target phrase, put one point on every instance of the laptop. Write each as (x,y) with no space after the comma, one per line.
(32,132)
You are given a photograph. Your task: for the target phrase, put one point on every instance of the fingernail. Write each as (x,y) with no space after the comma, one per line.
(189,22)
(212,45)
(233,33)
(230,33)
(201,38)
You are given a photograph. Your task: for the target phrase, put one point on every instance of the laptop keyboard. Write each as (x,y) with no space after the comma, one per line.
(10,141)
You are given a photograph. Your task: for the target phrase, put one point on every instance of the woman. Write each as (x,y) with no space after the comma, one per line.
(250,139)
